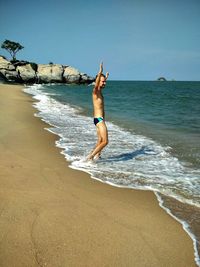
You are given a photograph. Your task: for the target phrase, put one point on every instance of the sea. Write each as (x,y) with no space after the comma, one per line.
(154,139)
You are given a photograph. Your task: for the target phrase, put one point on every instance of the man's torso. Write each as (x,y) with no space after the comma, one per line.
(98,103)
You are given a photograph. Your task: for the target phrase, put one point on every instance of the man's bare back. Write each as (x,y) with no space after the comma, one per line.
(99,114)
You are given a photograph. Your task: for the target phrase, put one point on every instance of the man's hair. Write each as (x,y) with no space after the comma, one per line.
(102,75)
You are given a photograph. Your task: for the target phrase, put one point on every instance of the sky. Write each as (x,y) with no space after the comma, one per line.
(136,39)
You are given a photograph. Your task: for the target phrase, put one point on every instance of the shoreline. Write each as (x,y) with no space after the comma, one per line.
(68,218)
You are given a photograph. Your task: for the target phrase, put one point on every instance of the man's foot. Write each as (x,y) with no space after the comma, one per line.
(97,156)
(89,158)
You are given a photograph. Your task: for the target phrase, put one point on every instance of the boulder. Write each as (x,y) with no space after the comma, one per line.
(7,70)
(10,75)
(26,73)
(86,79)
(49,73)
(71,75)
(5,64)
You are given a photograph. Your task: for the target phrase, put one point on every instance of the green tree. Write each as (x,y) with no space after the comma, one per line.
(12,48)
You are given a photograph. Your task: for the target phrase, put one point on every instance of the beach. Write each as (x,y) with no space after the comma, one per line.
(52,215)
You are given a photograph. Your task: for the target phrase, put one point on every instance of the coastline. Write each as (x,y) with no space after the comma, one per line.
(55,216)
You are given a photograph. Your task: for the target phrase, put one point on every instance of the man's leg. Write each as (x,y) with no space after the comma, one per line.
(97,156)
(102,134)
(98,143)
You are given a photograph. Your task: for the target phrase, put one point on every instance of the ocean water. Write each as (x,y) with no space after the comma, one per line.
(154,139)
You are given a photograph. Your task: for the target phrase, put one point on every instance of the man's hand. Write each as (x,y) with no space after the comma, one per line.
(97,81)
(101,68)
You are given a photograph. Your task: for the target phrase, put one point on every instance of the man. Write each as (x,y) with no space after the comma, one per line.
(99,114)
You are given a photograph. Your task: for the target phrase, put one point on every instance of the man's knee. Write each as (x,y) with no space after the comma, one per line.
(105,142)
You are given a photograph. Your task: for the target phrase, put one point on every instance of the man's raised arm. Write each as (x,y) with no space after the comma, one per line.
(98,76)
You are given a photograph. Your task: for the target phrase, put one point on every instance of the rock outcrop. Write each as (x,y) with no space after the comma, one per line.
(50,73)
(71,74)
(28,72)
(7,70)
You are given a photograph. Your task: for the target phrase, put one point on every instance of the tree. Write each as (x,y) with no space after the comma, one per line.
(12,48)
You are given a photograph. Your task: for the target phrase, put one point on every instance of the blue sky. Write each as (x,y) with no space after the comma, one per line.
(137,40)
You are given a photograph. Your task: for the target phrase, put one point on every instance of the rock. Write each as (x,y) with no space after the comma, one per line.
(10,75)
(19,63)
(86,79)
(71,75)
(2,78)
(26,73)
(29,72)
(49,73)
(7,70)
(5,64)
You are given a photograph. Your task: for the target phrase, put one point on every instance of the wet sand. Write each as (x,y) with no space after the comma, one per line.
(51,215)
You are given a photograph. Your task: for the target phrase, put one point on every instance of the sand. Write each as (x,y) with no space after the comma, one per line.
(51,215)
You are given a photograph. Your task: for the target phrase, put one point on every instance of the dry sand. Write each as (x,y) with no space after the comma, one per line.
(51,215)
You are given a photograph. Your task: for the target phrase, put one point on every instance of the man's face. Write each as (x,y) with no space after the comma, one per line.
(102,83)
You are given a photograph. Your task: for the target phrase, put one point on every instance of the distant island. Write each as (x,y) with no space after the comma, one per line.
(161,79)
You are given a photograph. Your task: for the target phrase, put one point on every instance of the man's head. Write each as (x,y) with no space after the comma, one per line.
(102,82)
